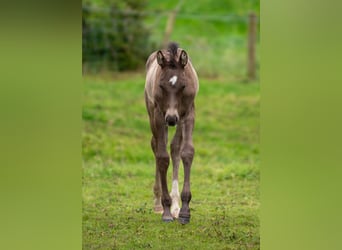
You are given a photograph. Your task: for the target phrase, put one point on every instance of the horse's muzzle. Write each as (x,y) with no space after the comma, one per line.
(171,120)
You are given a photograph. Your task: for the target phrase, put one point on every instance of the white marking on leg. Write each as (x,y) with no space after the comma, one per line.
(158,207)
(175,199)
(173,80)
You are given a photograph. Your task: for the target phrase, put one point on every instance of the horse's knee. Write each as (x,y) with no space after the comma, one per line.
(187,153)
(163,160)
(175,147)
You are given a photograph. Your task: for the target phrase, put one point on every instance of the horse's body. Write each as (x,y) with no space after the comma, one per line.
(170,89)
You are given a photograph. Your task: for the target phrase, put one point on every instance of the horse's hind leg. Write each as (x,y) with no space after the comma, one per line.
(158,207)
(175,155)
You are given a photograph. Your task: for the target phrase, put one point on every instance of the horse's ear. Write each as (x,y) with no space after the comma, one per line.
(183,58)
(160,59)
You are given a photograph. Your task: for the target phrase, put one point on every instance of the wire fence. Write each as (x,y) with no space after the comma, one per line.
(222,18)
(217,44)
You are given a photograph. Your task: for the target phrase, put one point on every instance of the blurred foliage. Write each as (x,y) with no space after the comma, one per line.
(113,34)
(119,35)
(214,33)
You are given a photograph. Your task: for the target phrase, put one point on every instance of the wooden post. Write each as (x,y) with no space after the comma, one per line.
(170,23)
(252,30)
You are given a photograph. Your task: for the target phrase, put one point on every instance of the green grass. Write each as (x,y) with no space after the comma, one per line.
(118,169)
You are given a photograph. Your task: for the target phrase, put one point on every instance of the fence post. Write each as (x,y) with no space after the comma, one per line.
(170,22)
(252,30)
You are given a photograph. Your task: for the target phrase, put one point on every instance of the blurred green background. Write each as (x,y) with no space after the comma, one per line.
(118,163)
(41,106)
(119,35)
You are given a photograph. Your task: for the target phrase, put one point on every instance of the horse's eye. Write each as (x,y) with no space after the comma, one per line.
(183,86)
(162,86)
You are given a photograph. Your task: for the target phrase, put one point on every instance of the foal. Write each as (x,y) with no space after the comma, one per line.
(170,89)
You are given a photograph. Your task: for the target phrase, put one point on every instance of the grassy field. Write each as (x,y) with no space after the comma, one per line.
(118,169)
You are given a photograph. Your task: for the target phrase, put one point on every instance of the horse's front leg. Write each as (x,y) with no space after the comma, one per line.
(187,155)
(175,155)
(162,163)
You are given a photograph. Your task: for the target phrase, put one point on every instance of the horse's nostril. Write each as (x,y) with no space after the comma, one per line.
(171,120)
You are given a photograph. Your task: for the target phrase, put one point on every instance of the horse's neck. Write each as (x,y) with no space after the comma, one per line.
(151,79)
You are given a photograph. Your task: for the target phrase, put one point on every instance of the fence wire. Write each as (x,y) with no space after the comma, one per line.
(217,44)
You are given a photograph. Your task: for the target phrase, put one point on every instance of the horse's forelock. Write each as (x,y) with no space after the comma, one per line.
(172,48)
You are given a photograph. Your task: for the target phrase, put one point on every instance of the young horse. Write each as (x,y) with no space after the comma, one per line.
(170,89)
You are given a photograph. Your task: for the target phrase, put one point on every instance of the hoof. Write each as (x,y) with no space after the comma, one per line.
(158,209)
(175,212)
(167,218)
(184,219)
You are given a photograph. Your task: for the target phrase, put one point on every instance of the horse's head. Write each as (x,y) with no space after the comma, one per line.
(171,94)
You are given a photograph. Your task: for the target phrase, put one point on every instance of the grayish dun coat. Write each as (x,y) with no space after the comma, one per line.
(170,90)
